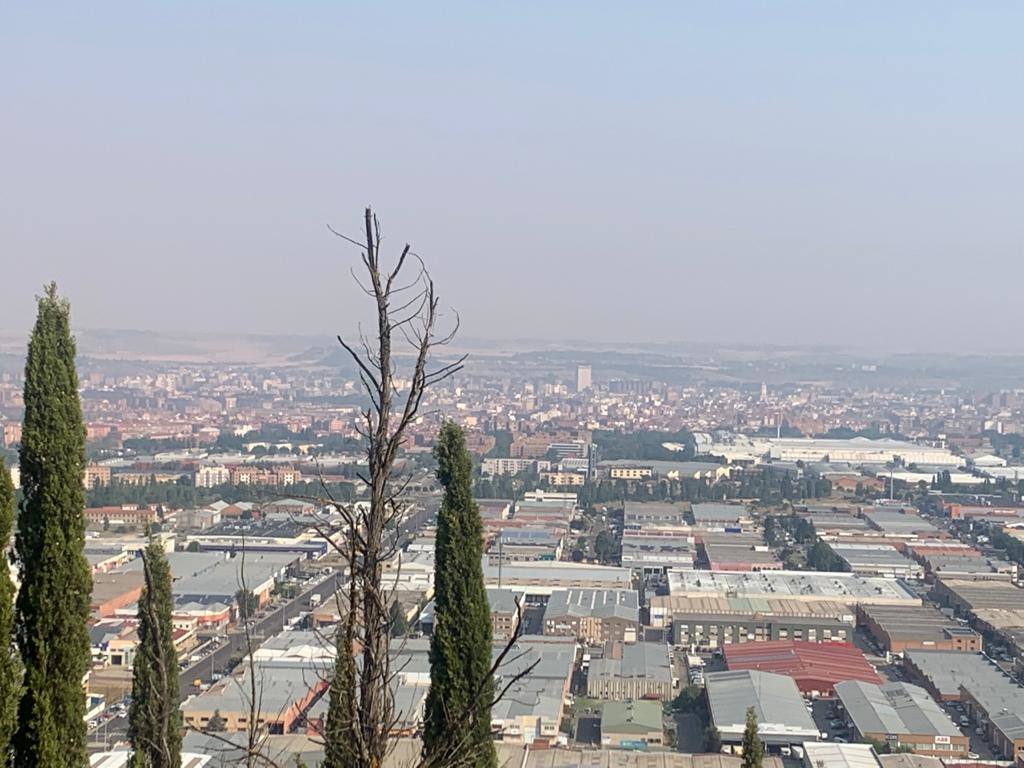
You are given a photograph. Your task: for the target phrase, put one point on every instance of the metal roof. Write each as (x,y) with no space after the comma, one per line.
(601,603)
(638,660)
(840,755)
(781,714)
(899,708)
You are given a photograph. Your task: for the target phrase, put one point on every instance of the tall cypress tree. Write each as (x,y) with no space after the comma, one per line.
(10,665)
(53,603)
(460,649)
(154,722)
(753,749)
(341,723)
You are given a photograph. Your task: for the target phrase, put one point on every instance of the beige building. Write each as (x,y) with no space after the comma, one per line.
(96,476)
(630,671)
(595,616)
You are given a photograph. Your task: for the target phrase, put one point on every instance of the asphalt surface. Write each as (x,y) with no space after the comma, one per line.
(116,729)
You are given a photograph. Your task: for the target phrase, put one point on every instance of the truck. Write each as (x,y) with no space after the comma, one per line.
(315,599)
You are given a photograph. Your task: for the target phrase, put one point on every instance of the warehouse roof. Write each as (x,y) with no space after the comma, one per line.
(654,512)
(600,603)
(633,660)
(814,666)
(631,716)
(895,522)
(863,556)
(846,588)
(781,715)
(1000,595)
(736,549)
(841,755)
(213,574)
(501,601)
(899,708)
(920,622)
(556,575)
(719,513)
(948,671)
(660,551)
(750,606)
(619,758)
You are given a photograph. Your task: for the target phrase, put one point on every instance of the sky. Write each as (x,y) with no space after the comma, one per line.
(759,172)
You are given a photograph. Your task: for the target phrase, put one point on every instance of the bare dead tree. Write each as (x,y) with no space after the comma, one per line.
(407,310)
(362,717)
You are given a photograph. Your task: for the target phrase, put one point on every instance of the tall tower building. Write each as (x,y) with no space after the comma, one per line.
(764,391)
(582,377)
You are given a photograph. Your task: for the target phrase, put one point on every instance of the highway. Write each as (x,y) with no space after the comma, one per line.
(115,729)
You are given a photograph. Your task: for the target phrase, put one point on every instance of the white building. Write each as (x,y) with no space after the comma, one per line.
(211,476)
(860,450)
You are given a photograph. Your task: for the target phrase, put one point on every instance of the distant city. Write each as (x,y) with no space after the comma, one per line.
(839,552)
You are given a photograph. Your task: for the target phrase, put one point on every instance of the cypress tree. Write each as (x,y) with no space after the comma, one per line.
(154,723)
(52,607)
(753,749)
(460,648)
(10,665)
(341,723)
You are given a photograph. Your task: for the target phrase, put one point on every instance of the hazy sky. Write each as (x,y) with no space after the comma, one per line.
(759,171)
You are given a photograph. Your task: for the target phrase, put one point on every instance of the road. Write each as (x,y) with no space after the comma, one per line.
(116,729)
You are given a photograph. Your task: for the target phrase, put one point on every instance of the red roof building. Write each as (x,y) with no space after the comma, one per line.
(815,667)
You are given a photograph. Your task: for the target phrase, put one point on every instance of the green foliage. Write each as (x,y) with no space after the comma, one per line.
(154,722)
(248,604)
(10,663)
(458,711)
(753,749)
(1013,547)
(820,557)
(644,445)
(396,617)
(53,602)
(605,547)
(885,748)
(502,444)
(690,699)
(712,739)
(341,709)
(186,495)
(217,724)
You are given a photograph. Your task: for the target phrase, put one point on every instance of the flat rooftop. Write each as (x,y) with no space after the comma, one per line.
(749,607)
(546,576)
(807,586)
(898,708)
(948,670)
(212,574)
(920,623)
(633,660)
(898,523)
(861,556)
(710,512)
(654,513)
(598,603)
(998,595)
